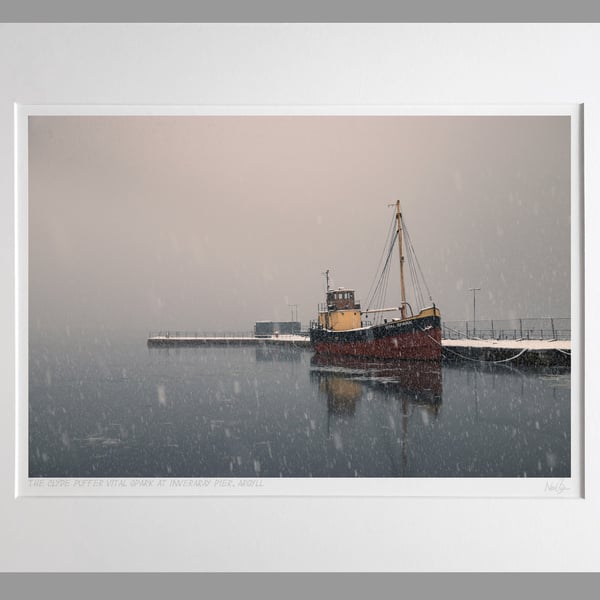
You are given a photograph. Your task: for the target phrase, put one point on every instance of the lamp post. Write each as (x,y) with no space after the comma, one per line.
(474,290)
(294,306)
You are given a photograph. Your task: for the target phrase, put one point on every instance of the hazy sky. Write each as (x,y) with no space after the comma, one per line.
(213,223)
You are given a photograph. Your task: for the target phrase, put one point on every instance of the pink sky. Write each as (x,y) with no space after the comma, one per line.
(212,223)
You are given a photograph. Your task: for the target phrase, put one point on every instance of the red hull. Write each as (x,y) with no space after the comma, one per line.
(410,345)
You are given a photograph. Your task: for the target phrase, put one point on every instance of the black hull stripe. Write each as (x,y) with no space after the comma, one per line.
(376,332)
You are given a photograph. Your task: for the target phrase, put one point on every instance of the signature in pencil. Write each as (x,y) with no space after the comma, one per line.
(556,487)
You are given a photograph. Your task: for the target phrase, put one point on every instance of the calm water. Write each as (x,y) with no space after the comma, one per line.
(104,409)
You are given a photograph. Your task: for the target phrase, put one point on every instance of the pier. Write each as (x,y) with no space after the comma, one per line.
(518,352)
(171,340)
(539,353)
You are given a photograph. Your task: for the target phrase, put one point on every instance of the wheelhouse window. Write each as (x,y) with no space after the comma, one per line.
(340,299)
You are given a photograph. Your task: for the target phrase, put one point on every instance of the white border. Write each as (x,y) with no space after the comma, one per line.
(547,487)
(217,65)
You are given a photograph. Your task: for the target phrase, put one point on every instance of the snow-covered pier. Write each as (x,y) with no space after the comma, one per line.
(167,340)
(517,352)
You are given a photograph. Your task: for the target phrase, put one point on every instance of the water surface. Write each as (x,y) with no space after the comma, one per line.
(102,408)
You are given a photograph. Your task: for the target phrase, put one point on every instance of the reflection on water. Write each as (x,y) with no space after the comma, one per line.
(342,394)
(419,382)
(344,381)
(119,409)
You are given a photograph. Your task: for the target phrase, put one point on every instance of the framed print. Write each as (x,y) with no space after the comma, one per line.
(196,266)
(383,397)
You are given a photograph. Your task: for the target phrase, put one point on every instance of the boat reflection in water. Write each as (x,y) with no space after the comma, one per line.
(342,393)
(343,380)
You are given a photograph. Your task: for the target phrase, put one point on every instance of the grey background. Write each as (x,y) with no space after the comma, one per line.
(494,586)
(290,11)
(474,585)
(512,534)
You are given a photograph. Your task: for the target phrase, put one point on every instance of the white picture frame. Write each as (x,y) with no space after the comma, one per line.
(60,78)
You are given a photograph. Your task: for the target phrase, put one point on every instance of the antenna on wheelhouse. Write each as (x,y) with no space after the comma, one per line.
(326,273)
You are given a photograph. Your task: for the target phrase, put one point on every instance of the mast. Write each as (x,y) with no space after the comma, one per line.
(402,287)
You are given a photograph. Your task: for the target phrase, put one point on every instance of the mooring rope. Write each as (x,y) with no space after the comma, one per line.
(485,361)
(481,360)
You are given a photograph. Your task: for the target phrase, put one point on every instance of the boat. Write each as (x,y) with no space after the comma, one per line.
(344,329)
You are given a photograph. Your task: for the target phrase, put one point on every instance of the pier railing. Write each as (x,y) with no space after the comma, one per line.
(551,328)
(171,333)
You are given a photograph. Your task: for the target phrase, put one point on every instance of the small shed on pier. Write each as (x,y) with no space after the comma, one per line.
(270,328)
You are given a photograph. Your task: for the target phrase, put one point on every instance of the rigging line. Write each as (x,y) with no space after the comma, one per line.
(413,274)
(411,271)
(378,300)
(418,264)
(416,282)
(416,261)
(385,245)
(385,287)
(418,296)
(418,287)
(374,294)
(377,292)
(382,287)
(387,278)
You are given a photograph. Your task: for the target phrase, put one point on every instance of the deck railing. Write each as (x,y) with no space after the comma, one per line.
(550,328)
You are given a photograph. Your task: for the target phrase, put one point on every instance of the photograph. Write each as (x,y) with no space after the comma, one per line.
(264,296)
